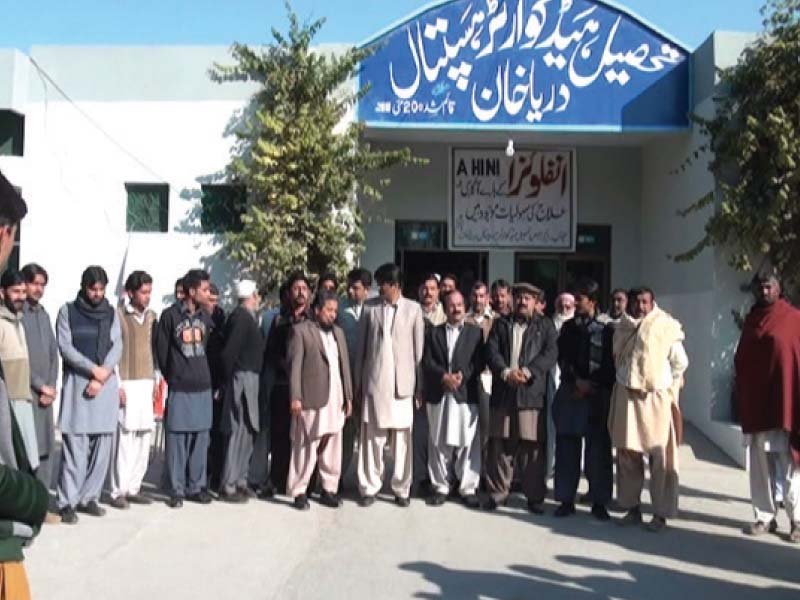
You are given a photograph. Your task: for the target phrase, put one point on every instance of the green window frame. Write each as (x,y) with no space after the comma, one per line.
(222,208)
(148,207)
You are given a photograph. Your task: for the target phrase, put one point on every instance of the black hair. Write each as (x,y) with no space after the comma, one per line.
(479,284)
(362,275)
(430,277)
(136,280)
(328,276)
(619,291)
(11,278)
(638,291)
(500,284)
(452,276)
(323,297)
(588,288)
(93,275)
(32,270)
(193,279)
(179,282)
(294,277)
(390,274)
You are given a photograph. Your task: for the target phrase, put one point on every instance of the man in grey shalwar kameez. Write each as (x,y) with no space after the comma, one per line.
(90,341)
(242,357)
(43,360)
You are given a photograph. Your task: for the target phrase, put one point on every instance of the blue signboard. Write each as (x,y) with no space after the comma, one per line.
(533,64)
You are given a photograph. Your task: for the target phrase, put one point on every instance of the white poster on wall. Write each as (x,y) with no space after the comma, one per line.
(524,202)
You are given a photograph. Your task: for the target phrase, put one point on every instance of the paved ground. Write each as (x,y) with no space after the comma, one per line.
(268,550)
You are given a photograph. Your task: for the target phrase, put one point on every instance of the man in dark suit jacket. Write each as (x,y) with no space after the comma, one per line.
(520,352)
(452,366)
(321,392)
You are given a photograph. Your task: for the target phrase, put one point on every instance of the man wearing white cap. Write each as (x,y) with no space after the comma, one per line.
(242,358)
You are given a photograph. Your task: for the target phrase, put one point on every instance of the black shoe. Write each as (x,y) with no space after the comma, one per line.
(247,492)
(267,492)
(92,508)
(402,502)
(119,502)
(566,509)
(68,515)
(436,499)
(301,502)
(329,500)
(535,508)
(471,501)
(490,504)
(366,501)
(139,499)
(600,513)
(175,502)
(232,498)
(200,498)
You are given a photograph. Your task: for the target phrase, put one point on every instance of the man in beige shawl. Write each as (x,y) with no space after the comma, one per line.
(650,361)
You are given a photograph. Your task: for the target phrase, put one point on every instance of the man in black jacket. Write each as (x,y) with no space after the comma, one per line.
(452,365)
(180,346)
(298,293)
(241,359)
(23,498)
(580,408)
(520,353)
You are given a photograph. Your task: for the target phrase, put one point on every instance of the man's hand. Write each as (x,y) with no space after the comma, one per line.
(348,409)
(123,397)
(517,378)
(93,388)
(46,390)
(101,374)
(45,400)
(419,401)
(296,408)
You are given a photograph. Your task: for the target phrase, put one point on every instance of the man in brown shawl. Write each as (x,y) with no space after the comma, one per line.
(768,394)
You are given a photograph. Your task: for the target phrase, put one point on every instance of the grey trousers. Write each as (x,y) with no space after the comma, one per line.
(239,448)
(85,459)
(187,456)
(44,472)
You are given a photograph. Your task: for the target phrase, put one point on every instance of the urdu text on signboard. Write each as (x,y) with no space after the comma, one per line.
(524,202)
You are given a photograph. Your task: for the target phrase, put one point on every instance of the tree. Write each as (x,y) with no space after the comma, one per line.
(755,139)
(303,166)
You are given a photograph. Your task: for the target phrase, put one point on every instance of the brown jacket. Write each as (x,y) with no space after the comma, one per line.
(309,368)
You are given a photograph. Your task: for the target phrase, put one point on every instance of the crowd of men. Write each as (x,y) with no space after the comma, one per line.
(471,396)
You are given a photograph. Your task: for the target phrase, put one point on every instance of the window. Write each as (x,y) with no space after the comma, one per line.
(148,207)
(12,133)
(223,206)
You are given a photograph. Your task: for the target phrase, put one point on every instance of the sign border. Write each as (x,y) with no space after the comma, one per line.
(571,248)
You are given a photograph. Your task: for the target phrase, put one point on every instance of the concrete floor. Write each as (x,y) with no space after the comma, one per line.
(268,550)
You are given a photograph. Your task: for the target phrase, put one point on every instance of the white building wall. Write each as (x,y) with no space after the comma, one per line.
(74,182)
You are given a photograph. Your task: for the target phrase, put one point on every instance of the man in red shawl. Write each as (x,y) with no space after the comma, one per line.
(768,392)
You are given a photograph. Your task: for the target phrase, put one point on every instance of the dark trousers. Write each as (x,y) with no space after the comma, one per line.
(280,440)
(420,447)
(597,462)
(187,457)
(217,445)
(349,437)
(528,459)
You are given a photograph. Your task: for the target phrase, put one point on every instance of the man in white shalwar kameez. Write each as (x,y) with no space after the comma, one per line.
(138,377)
(452,366)
(390,344)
